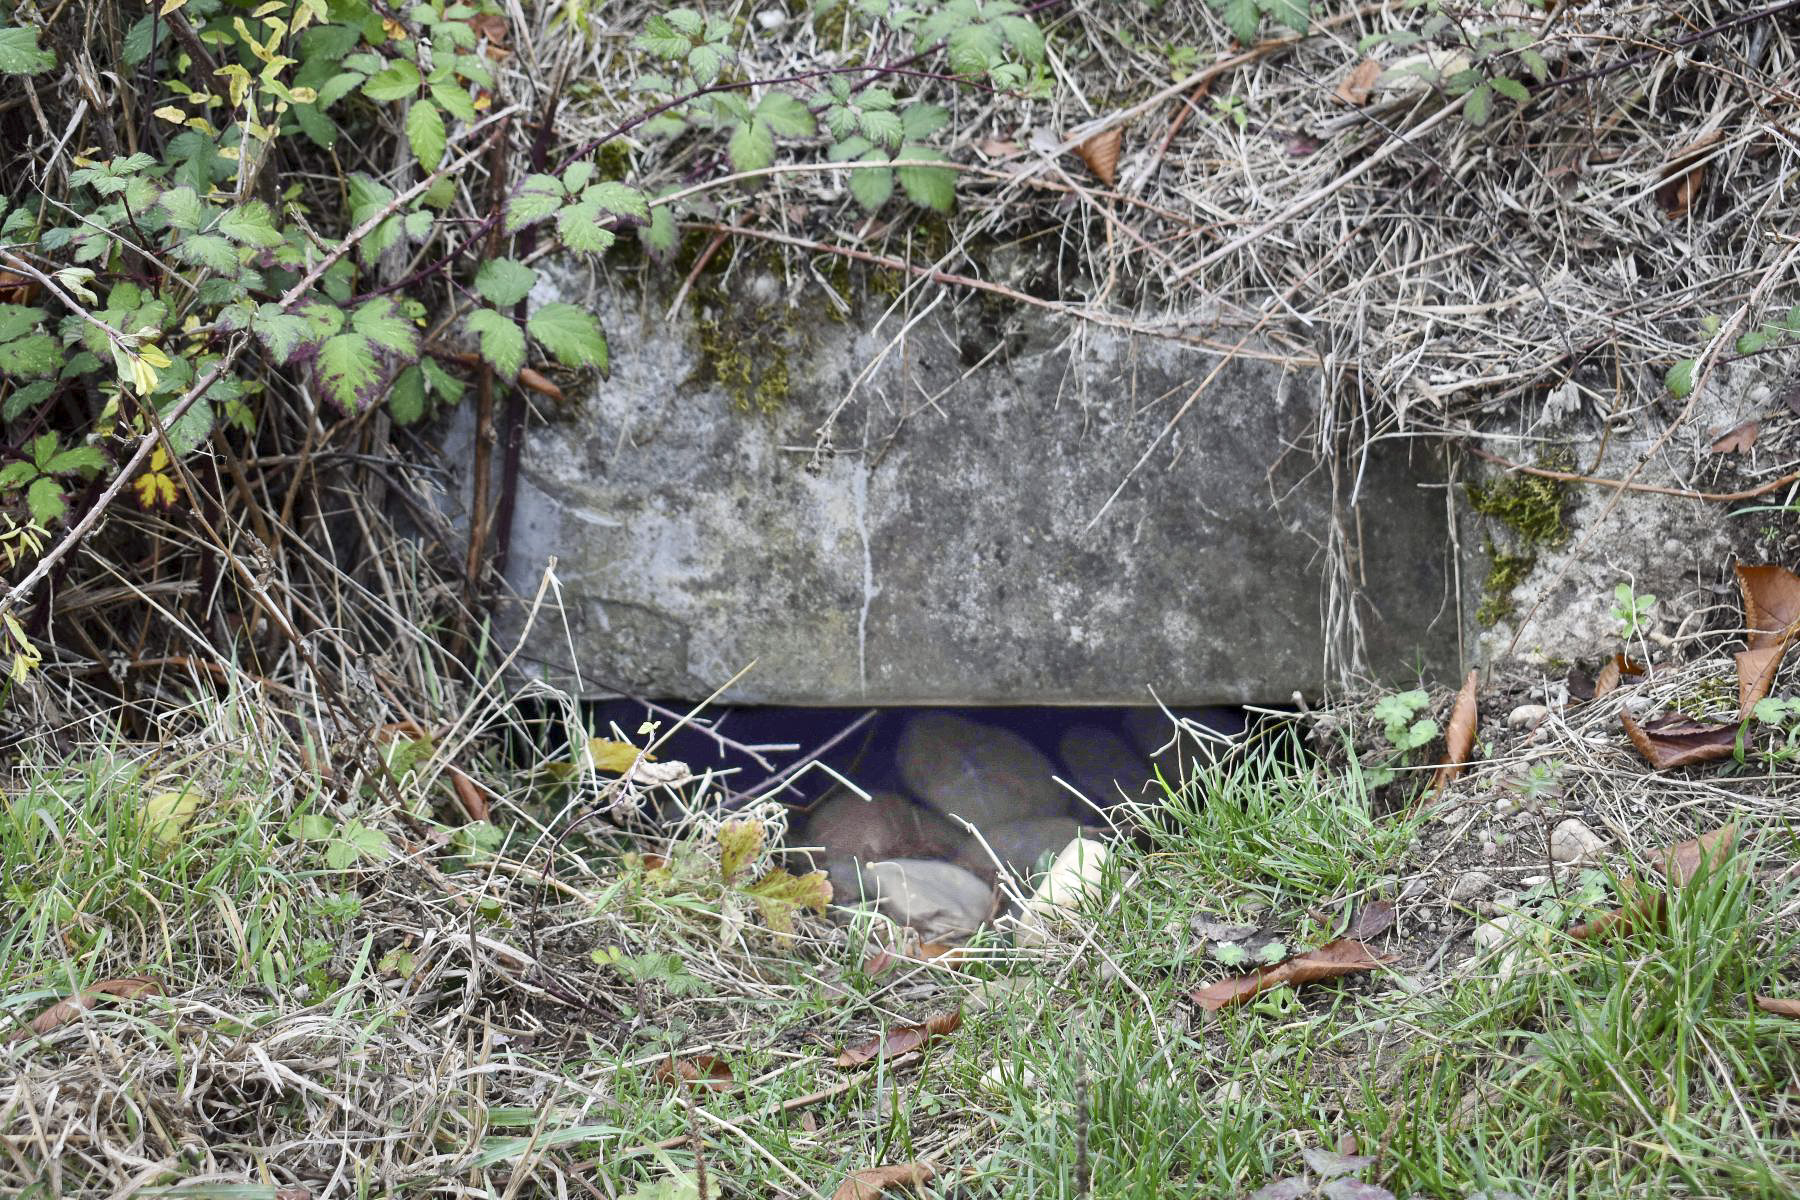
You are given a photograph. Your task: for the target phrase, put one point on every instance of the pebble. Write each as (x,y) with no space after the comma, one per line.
(1471,884)
(986,775)
(1573,841)
(940,900)
(1019,845)
(1527,716)
(1490,849)
(884,826)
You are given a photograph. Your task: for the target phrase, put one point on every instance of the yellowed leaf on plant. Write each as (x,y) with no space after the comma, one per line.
(781,894)
(167,813)
(155,488)
(740,843)
(170,6)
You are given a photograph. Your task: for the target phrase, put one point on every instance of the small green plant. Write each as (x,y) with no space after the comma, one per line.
(1245,17)
(1680,379)
(1632,611)
(1478,61)
(1404,729)
(1781,714)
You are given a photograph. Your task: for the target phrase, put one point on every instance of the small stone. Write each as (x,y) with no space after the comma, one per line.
(1506,807)
(943,902)
(1527,716)
(1490,850)
(1470,884)
(1572,841)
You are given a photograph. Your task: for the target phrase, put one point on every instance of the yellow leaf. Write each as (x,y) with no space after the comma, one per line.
(153,354)
(170,6)
(155,488)
(616,757)
(779,894)
(166,812)
(237,80)
(740,843)
(395,30)
(171,114)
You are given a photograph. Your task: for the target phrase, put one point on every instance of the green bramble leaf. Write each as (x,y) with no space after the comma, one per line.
(454,100)
(503,281)
(441,382)
(24,399)
(252,224)
(920,121)
(1480,104)
(785,115)
(1680,379)
(1242,17)
(929,187)
(571,334)
(1536,64)
(502,341)
(18,319)
(884,128)
(45,500)
(20,53)
(208,250)
(578,225)
(75,458)
(538,197)
(621,200)
(425,133)
(348,371)
(381,321)
(661,38)
(1295,14)
(1513,90)
(35,355)
(705,62)
(183,208)
(578,176)
(398,80)
(751,147)
(406,399)
(660,236)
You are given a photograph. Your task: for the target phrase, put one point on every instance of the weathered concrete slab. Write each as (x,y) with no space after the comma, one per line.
(940,544)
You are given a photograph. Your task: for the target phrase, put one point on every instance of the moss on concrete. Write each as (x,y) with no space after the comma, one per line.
(1505,572)
(1532,507)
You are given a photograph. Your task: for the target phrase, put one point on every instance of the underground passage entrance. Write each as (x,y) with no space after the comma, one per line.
(933,814)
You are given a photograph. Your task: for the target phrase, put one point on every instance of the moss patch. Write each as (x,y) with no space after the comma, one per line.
(1530,506)
(1505,572)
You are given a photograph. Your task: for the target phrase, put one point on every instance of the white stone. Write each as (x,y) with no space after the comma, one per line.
(1527,716)
(1572,842)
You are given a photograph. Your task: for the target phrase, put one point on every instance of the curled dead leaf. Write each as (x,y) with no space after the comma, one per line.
(871,1182)
(707,1072)
(1672,741)
(1685,174)
(1371,920)
(1781,1008)
(1615,672)
(71,1007)
(1771,603)
(1737,440)
(1459,734)
(1101,154)
(1679,864)
(543,387)
(901,1040)
(1355,87)
(1345,956)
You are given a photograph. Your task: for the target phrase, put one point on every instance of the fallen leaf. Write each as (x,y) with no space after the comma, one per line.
(998,148)
(615,757)
(1101,154)
(1682,861)
(1327,1164)
(474,802)
(871,1182)
(495,29)
(166,813)
(1684,175)
(1302,145)
(901,1040)
(1771,603)
(1672,741)
(780,894)
(1354,88)
(1345,956)
(1781,1008)
(1459,734)
(708,1072)
(1737,440)
(1294,1187)
(1678,864)
(1613,674)
(1371,920)
(1354,1189)
(71,1007)
(540,385)
(1756,674)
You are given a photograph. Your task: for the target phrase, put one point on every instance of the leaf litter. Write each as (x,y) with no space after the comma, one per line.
(1333,960)
(900,1040)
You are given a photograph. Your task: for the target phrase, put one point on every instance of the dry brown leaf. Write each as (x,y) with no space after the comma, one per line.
(998,148)
(1737,440)
(16,288)
(871,1182)
(71,1007)
(1756,674)
(1459,734)
(1771,603)
(1354,88)
(1681,862)
(1613,674)
(1645,909)
(1685,175)
(540,385)
(1672,741)
(901,1040)
(1101,154)
(1781,1008)
(1345,956)
(496,30)
(708,1072)
(1371,920)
